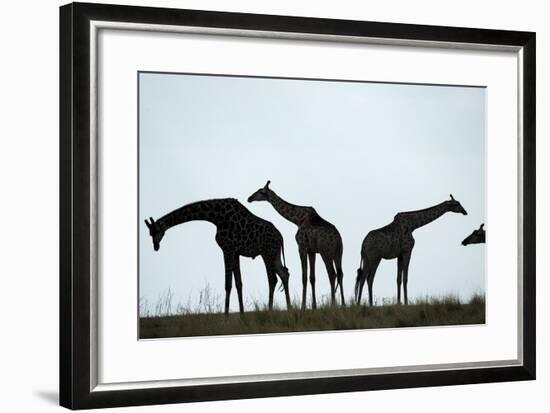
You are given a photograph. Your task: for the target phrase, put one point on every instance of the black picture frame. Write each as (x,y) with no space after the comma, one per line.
(75,219)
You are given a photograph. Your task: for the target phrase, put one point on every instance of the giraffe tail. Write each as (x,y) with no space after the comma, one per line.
(281,287)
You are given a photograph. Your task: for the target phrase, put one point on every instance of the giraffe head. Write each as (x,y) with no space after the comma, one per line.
(156,232)
(454,206)
(261,194)
(476,237)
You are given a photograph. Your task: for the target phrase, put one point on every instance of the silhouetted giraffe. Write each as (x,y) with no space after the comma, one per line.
(476,237)
(314,236)
(239,232)
(395,240)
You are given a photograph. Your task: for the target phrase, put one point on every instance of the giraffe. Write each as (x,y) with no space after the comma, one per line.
(314,236)
(476,237)
(239,232)
(395,240)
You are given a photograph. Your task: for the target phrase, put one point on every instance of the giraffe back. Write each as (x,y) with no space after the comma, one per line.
(388,242)
(247,234)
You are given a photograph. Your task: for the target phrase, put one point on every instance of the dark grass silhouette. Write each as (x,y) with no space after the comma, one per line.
(421,312)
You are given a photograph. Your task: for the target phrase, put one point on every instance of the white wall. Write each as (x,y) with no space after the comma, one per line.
(29,208)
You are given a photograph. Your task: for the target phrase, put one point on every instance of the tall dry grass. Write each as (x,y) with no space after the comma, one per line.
(206,318)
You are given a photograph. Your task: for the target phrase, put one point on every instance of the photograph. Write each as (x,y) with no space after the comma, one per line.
(294,205)
(264,202)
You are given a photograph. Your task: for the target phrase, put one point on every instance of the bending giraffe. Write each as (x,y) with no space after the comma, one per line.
(239,232)
(314,236)
(476,237)
(395,240)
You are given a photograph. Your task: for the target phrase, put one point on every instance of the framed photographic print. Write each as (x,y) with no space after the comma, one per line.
(258,205)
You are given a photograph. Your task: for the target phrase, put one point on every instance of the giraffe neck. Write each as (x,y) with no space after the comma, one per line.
(417,219)
(294,213)
(212,211)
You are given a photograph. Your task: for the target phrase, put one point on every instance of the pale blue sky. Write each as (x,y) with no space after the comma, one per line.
(358,152)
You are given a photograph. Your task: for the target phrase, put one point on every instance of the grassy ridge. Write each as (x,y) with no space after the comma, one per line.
(428,312)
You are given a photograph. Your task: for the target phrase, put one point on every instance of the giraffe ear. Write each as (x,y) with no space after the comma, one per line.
(481,226)
(452,198)
(152,220)
(267,185)
(148,225)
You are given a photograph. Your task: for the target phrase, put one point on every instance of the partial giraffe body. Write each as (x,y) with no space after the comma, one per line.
(315,236)
(476,237)
(395,240)
(239,233)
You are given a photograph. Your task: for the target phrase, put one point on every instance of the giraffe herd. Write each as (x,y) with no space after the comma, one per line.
(241,233)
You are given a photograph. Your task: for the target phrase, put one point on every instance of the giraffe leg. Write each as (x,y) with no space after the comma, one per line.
(238,283)
(303,258)
(370,280)
(340,278)
(228,261)
(271,278)
(399,275)
(331,277)
(272,283)
(311,256)
(360,279)
(360,287)
(406,261)
(370,277)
